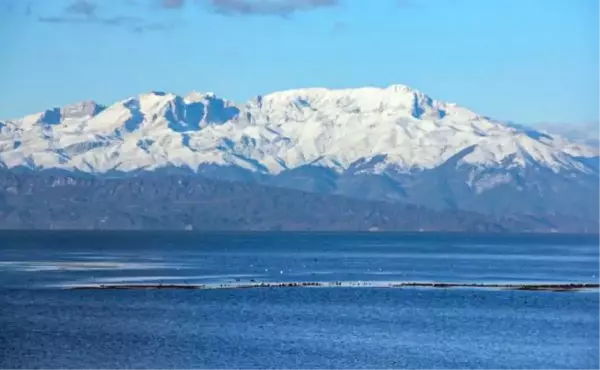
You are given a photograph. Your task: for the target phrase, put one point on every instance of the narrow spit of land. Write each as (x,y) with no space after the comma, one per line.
(537,287)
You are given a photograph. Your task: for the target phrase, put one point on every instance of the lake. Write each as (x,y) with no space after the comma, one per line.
(47,324)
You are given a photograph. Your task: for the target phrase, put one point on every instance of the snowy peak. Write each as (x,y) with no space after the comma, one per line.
(211,109)
(83,109)
(156,111)
(55,116)
(196,96)
(395,128)
(355,101)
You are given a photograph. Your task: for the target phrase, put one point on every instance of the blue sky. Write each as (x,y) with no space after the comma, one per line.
(522,60)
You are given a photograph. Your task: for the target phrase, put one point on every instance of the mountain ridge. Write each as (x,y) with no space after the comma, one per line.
(419,118)
(394,143)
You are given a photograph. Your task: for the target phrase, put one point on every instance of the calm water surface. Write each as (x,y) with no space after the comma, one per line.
(44,325)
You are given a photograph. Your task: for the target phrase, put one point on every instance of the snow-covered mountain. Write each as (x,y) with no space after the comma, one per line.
(386,143)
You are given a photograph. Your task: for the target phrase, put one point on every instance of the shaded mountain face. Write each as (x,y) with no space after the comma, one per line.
(392,144)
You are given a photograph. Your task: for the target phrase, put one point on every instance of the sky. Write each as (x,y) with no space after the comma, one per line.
(526,61)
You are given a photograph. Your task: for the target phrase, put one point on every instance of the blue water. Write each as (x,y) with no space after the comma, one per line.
(44,325)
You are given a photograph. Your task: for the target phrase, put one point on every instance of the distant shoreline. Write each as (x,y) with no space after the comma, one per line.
(440,285)
(294,231)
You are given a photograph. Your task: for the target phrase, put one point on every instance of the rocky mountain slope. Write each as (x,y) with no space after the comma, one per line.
(393,144)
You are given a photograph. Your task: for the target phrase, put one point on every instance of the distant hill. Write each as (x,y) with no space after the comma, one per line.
(46,200)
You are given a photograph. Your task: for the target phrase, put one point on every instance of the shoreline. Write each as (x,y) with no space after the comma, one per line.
(569,287)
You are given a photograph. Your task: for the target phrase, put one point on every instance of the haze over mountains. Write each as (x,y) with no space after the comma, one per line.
(385,144)
(584,133)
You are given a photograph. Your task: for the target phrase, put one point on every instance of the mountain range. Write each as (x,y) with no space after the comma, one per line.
(393,144)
